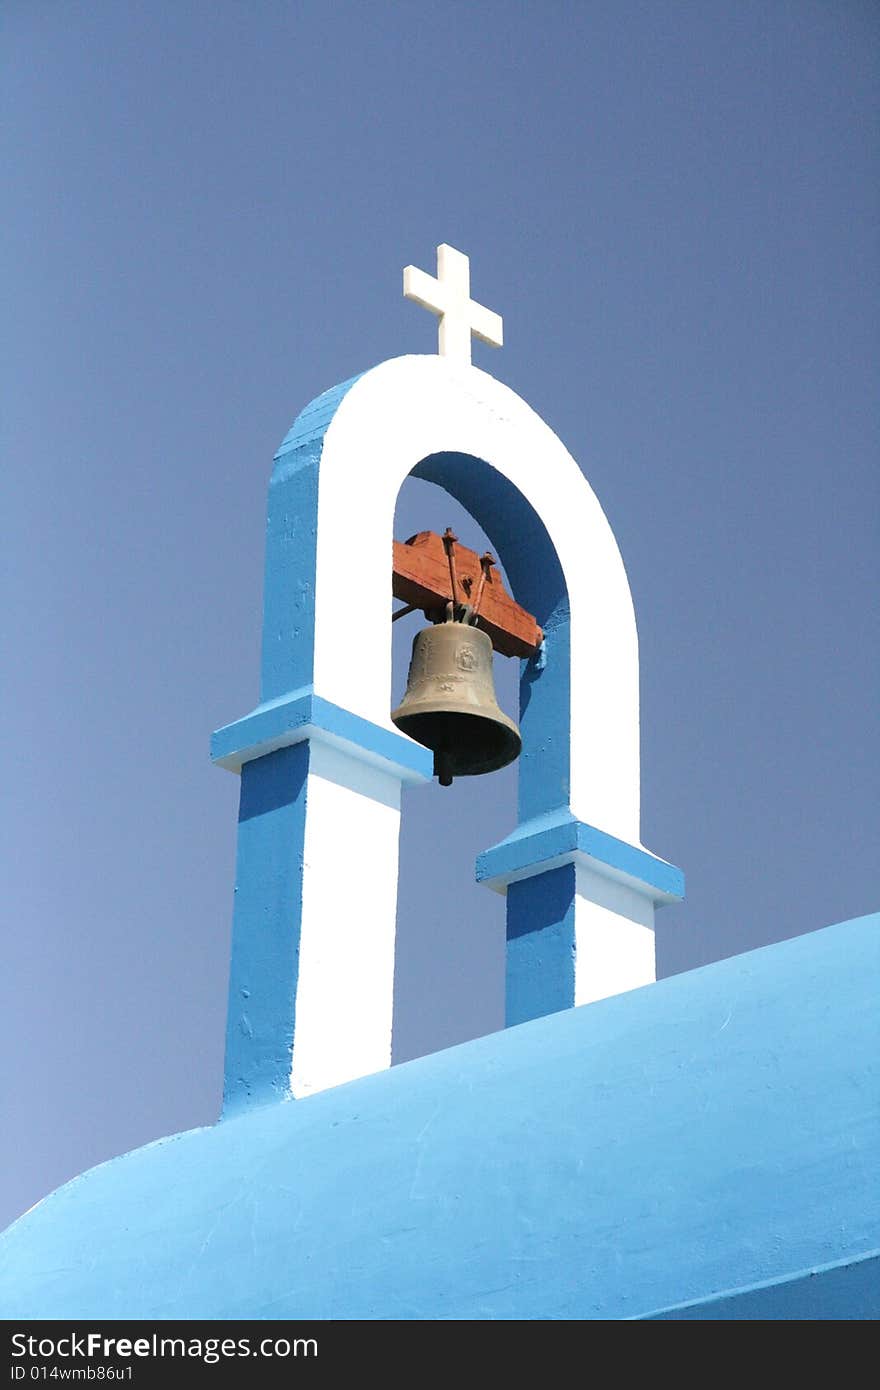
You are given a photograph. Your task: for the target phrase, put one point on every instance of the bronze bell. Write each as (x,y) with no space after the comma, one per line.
(450,703)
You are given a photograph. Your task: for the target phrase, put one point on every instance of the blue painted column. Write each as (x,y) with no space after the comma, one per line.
(580,912)
(540,945)
(266,927)
(311,986)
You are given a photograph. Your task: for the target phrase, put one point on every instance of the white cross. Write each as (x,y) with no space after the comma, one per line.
(450,297)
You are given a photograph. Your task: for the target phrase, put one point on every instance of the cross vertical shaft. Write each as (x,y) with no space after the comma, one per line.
(449,296)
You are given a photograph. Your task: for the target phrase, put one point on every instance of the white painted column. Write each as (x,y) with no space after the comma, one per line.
(614,937)
(344,996)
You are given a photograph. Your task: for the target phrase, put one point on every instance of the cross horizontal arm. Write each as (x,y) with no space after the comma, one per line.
(486,325)
(423,289)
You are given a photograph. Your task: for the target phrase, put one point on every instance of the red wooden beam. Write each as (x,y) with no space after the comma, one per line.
(421,578)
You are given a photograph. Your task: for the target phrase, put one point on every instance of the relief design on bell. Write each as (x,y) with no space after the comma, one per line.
(466,658)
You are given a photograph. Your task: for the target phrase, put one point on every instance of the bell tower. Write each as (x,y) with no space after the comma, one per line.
(322,762)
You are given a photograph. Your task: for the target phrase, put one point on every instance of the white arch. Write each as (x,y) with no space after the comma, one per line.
(397,414)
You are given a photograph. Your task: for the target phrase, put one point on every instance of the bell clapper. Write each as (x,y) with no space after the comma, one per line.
(441,769)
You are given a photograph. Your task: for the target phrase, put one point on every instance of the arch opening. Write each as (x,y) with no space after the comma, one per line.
(523,547)
(450,955)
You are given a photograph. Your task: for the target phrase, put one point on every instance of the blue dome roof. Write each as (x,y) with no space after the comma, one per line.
(710,1135)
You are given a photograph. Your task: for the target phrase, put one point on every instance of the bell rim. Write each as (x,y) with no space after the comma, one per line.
(425,700)
(510,753)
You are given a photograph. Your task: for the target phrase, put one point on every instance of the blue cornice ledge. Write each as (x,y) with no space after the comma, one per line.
(301,715)
(548,841)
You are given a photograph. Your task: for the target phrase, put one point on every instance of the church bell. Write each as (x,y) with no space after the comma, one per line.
(450,703)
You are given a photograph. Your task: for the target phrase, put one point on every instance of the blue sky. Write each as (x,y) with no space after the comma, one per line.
(206,210)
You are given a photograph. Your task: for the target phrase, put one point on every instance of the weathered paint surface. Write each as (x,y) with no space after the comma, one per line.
(704,1148)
